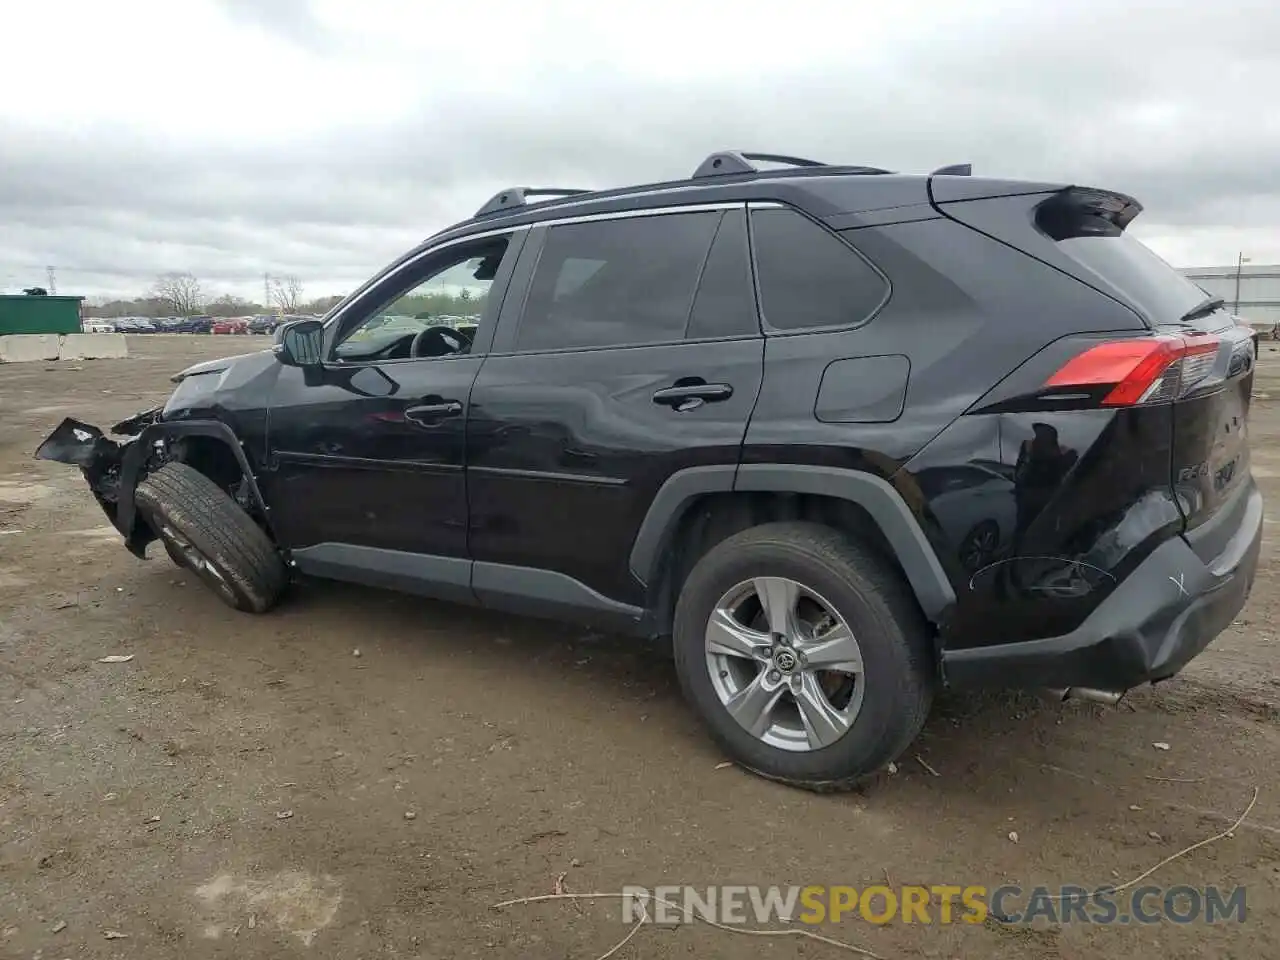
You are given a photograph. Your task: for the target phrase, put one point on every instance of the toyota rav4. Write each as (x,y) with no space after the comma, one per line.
(843,436)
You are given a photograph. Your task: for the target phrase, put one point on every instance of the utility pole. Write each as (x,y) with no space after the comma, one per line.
(266,293)
(1241,260)
(53,281)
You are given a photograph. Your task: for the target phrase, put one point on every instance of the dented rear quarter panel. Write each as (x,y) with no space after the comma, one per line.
(1079,498)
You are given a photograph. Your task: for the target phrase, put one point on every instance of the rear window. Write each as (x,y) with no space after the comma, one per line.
(1136,271)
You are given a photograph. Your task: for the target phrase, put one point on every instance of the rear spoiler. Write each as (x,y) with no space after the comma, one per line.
(1086,212)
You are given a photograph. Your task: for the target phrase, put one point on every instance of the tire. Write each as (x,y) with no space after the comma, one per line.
(175,555)
(891,636)
(212,536)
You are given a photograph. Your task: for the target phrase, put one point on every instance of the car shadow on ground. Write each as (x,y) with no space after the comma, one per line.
(999,764)
(974,744)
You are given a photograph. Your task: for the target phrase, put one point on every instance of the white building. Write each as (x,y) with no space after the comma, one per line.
(1256,297)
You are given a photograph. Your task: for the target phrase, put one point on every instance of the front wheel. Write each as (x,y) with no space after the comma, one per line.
(804,653)
(175,554)
(206,531)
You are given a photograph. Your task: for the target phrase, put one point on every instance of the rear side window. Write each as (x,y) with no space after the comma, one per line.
(809,278)
(615,283)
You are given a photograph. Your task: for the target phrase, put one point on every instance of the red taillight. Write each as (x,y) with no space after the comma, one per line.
(1143,370)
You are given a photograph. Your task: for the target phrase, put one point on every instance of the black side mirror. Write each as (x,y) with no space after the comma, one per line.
(300,343)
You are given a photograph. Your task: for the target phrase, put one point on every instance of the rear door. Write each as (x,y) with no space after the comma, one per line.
(635,352)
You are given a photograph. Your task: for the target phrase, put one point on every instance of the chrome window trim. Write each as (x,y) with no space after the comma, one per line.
(665,210)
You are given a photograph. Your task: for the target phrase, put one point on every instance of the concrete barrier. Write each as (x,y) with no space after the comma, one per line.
(26,347)
(93,346)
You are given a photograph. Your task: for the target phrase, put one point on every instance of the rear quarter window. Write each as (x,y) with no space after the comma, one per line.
(810,279)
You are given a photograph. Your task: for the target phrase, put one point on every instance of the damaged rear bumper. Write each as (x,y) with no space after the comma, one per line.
(1155,622)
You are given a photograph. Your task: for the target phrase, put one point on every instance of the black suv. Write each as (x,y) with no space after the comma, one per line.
(843,435)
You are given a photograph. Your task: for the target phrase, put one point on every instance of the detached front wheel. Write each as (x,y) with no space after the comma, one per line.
(205,530)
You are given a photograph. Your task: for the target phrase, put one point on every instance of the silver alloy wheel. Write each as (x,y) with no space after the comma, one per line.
(785,664)
(196,561)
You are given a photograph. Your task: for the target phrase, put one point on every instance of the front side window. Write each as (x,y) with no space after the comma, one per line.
(808,277)
(434,312)
(611,283)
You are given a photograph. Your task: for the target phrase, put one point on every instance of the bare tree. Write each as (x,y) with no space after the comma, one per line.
(286,293)
(229,305)
(322,304)
(180,292)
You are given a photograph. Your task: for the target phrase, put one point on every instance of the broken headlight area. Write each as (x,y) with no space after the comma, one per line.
(137,423)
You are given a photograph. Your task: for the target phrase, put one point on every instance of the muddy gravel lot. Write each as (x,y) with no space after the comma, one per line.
(362,774)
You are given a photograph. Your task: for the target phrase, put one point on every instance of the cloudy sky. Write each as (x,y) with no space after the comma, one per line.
(323,137)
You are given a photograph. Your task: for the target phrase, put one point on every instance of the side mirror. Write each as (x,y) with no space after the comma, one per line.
(300,343)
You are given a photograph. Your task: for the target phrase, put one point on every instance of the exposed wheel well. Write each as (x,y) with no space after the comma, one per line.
(212,457)
(714,517)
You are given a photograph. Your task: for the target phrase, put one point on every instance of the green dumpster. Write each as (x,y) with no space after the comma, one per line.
(26,314)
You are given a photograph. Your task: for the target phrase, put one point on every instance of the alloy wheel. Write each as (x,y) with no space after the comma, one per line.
(785,664)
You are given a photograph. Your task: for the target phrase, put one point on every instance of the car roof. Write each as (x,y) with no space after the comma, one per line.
(825,191)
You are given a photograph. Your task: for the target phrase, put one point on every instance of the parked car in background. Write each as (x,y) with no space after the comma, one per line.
(201,323)
(231,325)
(96,326)
(263,323)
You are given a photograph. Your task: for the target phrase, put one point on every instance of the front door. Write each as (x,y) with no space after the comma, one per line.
(637,352)
(367,456)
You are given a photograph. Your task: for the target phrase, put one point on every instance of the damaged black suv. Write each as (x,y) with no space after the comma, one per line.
(843,435)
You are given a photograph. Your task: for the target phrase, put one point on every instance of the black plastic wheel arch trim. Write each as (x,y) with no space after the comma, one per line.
(877,496)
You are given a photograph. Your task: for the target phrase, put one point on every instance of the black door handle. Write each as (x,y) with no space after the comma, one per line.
(690,396)
(427,413)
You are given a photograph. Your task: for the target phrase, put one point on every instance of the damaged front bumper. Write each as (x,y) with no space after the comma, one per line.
(109,466)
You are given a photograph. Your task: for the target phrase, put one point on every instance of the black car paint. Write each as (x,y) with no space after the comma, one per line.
(553,483)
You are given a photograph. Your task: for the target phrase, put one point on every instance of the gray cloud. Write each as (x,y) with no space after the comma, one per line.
(1172,105)
(291,20)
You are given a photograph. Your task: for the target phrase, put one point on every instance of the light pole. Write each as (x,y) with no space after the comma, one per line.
(1241,260)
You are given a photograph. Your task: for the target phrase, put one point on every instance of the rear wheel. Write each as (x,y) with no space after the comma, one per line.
(207,532)
(804,653)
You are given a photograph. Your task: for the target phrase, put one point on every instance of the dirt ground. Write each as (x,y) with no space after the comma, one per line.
(251,787)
